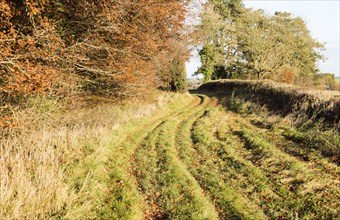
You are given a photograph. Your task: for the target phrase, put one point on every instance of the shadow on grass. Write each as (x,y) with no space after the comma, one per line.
(311,132)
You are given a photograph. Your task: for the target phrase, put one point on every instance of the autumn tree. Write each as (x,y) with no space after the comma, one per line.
(117,43)
(29,49)
(171,67)
(107,47)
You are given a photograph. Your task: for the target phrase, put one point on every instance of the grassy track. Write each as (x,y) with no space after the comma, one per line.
(205,162)
(200,161)
(196,159)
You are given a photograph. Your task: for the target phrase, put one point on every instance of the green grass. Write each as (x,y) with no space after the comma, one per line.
(165,179)
(177,157)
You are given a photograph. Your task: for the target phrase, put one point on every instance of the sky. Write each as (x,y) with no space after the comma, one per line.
(322,18)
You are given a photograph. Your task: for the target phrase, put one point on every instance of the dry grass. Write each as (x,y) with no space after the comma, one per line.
(42,160)
(174,156)
(283,98)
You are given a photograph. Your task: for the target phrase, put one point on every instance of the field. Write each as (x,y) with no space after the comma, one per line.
(209,155)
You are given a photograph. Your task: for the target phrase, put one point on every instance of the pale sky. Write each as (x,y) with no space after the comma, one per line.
(322,19)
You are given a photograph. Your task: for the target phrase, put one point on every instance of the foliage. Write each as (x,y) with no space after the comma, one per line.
(29,50)
(105,47)
(171,68)
(327,80)
(288,43)
(207,60)
(237,36)
(216,35)
(178,73)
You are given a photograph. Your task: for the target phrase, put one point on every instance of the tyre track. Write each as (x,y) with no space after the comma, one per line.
(201,162)
(159,161)
(210,171)
(124,200)
(289,177)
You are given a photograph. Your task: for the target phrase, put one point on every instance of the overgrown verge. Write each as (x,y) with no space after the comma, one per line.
(282,98)
(55,162)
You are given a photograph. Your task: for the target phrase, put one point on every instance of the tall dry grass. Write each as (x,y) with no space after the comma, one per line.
(41,155)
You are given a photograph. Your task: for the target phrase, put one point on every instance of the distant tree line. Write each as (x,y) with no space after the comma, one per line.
(111,47)
(237,42)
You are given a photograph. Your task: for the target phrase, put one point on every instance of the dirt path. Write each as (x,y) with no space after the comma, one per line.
(205,162)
